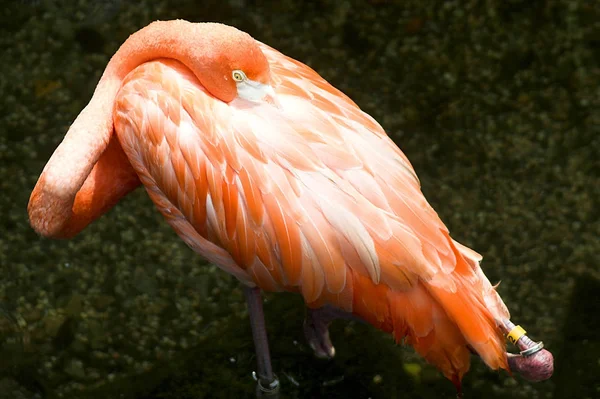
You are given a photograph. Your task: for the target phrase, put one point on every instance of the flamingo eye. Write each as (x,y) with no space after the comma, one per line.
(238,75)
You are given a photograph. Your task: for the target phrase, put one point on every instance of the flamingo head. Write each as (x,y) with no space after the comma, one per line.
(237,68)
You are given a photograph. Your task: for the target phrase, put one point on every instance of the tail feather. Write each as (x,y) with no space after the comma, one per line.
(443,318)
(441,324)
(475,322)
(492,300)
(447,349)
(429,330)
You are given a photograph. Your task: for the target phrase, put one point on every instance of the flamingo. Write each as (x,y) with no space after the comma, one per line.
(268,171)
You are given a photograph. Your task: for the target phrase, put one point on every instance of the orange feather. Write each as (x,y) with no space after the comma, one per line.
(298,190)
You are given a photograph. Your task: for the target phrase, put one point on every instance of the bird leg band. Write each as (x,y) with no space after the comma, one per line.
(534,363)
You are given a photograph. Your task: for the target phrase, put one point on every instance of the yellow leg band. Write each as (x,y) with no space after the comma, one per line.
(515,334)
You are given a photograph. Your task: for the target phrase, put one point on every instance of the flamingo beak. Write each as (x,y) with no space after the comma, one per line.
(257,92)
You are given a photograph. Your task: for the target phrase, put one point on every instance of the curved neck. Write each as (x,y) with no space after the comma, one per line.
(193,44)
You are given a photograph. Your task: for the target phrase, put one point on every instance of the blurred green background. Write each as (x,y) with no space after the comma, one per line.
(497,105)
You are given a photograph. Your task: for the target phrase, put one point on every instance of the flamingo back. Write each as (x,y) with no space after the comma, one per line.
(308,195)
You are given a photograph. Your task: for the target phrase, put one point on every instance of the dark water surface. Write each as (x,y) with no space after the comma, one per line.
(496,104)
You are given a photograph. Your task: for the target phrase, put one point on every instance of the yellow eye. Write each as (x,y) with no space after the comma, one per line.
(238,75)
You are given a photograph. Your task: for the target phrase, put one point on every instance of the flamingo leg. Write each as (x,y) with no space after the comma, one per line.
(267,382)
(316,329)
(534,363)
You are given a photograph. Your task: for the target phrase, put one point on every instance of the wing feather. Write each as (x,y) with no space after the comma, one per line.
(304,190)
(287,237)
(307,195)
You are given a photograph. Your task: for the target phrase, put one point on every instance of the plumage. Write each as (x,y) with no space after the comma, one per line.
(295,190)
(295,194)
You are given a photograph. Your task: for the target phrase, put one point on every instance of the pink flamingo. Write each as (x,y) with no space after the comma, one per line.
(272,174)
